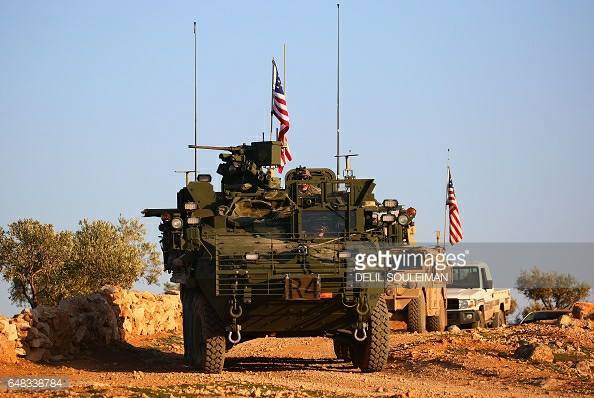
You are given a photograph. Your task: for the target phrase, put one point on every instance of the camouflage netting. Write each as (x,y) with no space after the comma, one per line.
(78,323)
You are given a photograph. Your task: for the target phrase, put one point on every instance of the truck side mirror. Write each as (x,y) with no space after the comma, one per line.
(489,284)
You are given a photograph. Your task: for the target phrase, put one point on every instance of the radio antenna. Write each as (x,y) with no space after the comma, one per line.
(338,92)
(195,112)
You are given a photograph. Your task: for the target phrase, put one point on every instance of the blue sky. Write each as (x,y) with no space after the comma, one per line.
(96,104)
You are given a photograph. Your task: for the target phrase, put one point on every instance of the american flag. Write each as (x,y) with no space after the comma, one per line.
(280,110)
(452,203)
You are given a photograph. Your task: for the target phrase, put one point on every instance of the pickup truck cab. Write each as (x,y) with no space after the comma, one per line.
(472,300)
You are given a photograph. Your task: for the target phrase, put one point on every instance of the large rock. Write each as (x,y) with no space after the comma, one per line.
(85,321)
(583,368)
(8,330)
(583,310)
(7,351)
(564,321)
(37,354)
(534,352)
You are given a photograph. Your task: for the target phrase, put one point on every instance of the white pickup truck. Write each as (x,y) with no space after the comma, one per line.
(472,301)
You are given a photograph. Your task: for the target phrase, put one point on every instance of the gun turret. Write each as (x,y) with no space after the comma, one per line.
(262,153)
(242,167)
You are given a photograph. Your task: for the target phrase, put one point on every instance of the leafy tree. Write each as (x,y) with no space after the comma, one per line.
(551,289)
(33,258)
(44,266)
(106,254)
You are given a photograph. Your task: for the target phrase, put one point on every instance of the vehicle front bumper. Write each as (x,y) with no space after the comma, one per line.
(463,317)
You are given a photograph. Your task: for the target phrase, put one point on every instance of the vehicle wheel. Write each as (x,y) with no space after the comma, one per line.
(481,322)
(207,342)
(438,323)
(342,350)
(372,353)
(499,319)
(187,297)
(416,319)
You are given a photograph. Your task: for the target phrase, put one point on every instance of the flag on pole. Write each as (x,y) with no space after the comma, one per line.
(281,112)
(452,203)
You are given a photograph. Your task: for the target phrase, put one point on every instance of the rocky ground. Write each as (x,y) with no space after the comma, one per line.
(518,361)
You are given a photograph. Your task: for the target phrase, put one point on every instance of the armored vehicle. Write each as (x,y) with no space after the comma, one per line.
(254,259)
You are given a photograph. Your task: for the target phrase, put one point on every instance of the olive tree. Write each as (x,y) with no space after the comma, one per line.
(551,290)
(33,258)
(44,266)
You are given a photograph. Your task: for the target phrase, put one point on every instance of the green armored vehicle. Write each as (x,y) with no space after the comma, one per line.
(255,259)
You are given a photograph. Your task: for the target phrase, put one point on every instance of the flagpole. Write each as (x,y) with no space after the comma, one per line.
(195,112)
(271,98)
(338,91)
(445,212)
(285,68)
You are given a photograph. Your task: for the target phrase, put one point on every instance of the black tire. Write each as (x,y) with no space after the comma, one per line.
(373,352)
(499,319)
(187,297)
(417,315)
(341,350)
(355,353)
(207,343)
(438,323)
(481,322)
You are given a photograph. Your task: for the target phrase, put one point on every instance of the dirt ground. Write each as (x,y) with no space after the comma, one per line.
(469,363)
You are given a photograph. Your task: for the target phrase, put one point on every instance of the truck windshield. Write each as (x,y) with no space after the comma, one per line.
(325,223)
(465,278)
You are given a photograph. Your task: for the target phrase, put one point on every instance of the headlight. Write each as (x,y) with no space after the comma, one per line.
(251,256)
(403,220)
(390,203)
(193,220)
(177,223)
(344,254)
(388,218)
(190,206)
(465,304)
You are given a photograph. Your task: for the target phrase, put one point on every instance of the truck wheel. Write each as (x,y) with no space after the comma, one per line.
(207,340)
(438,323)
(342,350)
(481,322)
(416,319)
(499,319)
(373,352)
(187,297)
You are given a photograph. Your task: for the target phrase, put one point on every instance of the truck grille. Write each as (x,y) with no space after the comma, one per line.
(453,304)
(278,260)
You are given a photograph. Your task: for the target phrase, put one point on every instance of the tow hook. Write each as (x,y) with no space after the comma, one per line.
(235,311)
(237,332)
(362,307)
(361,333)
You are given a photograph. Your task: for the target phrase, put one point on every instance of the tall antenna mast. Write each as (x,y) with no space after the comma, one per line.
(195,112)
(338,92)
(285,68)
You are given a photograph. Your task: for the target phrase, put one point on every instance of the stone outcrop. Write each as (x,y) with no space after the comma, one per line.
(583,310)
(52,333)
(535,352)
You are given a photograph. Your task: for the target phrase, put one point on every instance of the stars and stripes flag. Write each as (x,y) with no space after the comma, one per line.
(280,110)
(452,203)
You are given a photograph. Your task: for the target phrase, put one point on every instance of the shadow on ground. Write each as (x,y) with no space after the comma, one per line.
(123,357)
